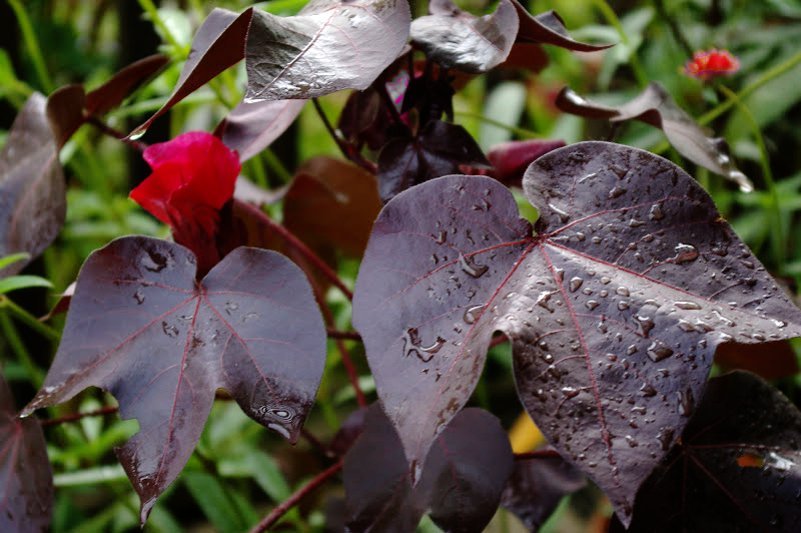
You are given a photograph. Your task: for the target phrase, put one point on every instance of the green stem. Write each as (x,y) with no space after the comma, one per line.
(764,160)
(153,13)
(32,45)
(28,319)
(276,166)
(521,132)
(13,339)
(611,17)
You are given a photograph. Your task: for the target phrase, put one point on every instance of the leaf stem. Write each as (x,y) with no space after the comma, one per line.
(109,409)
(28,319)
(348,151)
(536,454)
(114,133)
(347,361)
(276,514)
(347,335)
(292,240)
(32,45)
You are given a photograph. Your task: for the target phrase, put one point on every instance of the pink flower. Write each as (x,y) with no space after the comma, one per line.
(193,178)
(706,65)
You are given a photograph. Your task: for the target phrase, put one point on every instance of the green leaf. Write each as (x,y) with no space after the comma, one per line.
(13,258)
(210,495)
(269,477)
(22,282)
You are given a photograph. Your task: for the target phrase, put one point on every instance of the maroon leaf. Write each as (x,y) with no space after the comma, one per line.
(65,111)
(614,308)
(549,28)
(438,150)
(250,128)
(26,482)
(141,327)
(770,360)
(461,484)
(347,434)
(329,46)
(537,486)
(32,197)
(218,44)
(736,469)
(656,107)
(456,39)
(512,158)
(112,93)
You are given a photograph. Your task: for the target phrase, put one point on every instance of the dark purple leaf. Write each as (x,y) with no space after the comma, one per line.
(366,120)
(461,483)
(26,482)
(250,128)
(329,46)
(656,107)
(32,197)
(770,360)
(142,327)
(438,150)
(456,39)
(511,159)
(347,434)
(69,107)
(537,486)
(614,308)
(112,93)
(549,28)
(736,469)
(218,44)
(466,471)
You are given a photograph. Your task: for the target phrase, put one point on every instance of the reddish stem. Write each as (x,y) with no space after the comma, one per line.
(276,514)
(116,134)
(347,149)
(347,335)
(300,246)
(110,409)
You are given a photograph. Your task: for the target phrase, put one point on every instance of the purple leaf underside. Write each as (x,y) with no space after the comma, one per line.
(614,307)
(26,482)
(327,47)
(549,28)
(460,487)
(250,128)
(456,39)
(32,196)
(141,327)
(737,468)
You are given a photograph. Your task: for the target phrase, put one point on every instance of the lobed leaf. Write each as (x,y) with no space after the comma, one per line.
(142,327)
(32,196)
(614,308)
(736,469)
(26,482)
(656,107)
(456,39)
(329,46)
(460,486)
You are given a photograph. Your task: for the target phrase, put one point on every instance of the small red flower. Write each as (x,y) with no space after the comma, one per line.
(706,65)
(193,177)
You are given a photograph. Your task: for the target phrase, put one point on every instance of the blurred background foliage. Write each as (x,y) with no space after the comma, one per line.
(240,470)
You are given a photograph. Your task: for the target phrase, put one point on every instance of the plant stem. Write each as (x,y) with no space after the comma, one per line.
(276,514)
(28,319)
(32,45)
(292,240)
(610,16)
(347,335)
(674,28)
(13,339)
(536,454)
(347,362)
(348,151)
(275,164)
(114,133)
(109,409)
(764,160)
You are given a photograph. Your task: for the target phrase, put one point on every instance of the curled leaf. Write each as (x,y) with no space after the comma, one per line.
(656,107)
(250,128)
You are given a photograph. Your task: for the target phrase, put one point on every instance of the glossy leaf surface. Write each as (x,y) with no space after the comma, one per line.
(656,107)
(32,196)
(438,150)
(329,46)
(26,482)
(461,483)
(614,308)
(536,487)
(512,158)
(738,467)
(456,39)
(250,128)
(141,327)
(549,28)
(218,44)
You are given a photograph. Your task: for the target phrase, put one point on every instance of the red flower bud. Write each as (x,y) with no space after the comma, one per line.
(193,177)
(706,65)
